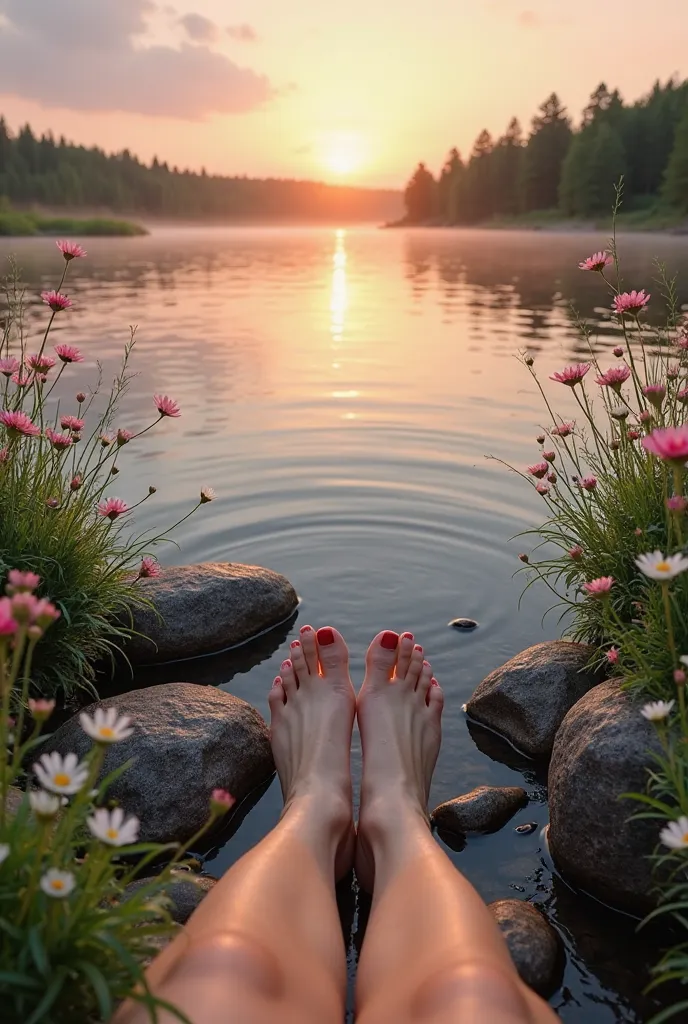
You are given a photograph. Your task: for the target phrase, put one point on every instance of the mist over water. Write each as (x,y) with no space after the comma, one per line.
(340,390)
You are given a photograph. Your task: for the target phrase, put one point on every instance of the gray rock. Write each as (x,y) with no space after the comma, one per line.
(185,893)
(535,947)
(485,809)
(464,623)
(206,608)
(527,698)
(602,750)
(187,741)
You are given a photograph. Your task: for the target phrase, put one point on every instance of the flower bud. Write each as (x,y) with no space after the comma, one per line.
(618,351)
(152,490)
(549,456)
(114,471)
(524,558)
(540,439)
(76,483)
(34,633)
(221,801)
(52,503)
(679,677)
(81,397)
(528,360)
(41,709)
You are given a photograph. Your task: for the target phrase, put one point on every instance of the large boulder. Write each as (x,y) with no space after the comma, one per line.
(188,740)
(535,947)
(185,892)
(602,751)
(200,609)
(527,698)
(485,809)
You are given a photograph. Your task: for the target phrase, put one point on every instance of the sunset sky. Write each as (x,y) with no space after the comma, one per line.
(357,91)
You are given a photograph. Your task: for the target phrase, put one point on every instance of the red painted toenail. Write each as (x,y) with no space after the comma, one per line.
(426,664)
(418,647)
(295,643)
(277,681)
(286,664)
(325,636)
(389,640)
(306,629)
(433,682)
(407,636)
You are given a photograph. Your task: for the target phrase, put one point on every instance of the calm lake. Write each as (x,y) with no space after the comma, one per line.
(341,390)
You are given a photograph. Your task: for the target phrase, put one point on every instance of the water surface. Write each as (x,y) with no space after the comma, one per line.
(340,390)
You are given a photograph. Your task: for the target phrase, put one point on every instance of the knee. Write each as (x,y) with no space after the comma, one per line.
(471,991)
(233,957)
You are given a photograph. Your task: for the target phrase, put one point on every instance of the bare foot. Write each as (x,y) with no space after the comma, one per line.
(399,715)
(312,707)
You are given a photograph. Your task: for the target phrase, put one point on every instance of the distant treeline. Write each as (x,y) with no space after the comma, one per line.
(58,174)
(557,167)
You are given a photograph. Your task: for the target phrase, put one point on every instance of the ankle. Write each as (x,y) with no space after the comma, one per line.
(385,818)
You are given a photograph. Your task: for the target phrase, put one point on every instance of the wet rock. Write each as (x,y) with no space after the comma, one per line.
(463,624)
(200,609)
(185,893)
(527,828)
(485,809)
(527,698)
(187,741)
(534,945)
(602,750)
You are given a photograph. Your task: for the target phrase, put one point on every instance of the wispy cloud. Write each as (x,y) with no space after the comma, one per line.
(81,54)
(200,28)
(243,33)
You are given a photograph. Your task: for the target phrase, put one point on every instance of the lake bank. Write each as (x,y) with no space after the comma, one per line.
(663,221)
(18,224)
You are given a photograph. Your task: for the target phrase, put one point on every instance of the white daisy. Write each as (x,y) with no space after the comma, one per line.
(675,835)
(57,883)
(684,660)
(111,828)
(657,710)
(61,775)
(106,726)
(662,567)
(619,412)
(4,852)
(44,805)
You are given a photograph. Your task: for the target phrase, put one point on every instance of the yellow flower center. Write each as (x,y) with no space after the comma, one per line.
(106,732)
(112,833)
(685,838)
(62,779)
(57,884)
(663,567)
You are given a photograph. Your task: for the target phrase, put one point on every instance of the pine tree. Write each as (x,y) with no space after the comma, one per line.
(675,189)
(448,186)
(545,153)
(506,172)
(420,196)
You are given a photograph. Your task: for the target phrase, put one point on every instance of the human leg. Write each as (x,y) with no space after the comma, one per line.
(432,952)
(266,944)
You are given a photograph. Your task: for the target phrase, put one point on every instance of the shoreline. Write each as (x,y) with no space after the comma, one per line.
(631,223)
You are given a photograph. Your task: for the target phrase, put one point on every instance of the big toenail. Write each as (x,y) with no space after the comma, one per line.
(286,664)
(295,643)
(407,636)
(389,640)
(325,636)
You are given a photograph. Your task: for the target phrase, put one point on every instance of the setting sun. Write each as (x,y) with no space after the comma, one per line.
(343,152)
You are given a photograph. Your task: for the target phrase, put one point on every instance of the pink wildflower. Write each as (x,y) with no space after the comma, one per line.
(571,375)
(19,582)
(56,301)
(75,483)
(576,552)
(105,440)
(4,455)
(618,351)
(18,423)
(165,406)
(589,483)
(24,606)
(598,261)
(599,587)
(631,302)
(8,624)
(563,429)
(44,613)
(673,371)
(221,801)
(69,354)
(655,394)
(72,423)
(683,395)
(41,709)
(679,677)
(59,441)
(9,366)
(40,364)
(552,477)
(22,380)
(677,503)
(539,470)
(682,340)
(613,655)
(542,489)
(549,456)
(645,416)
(112,508)
(70,250)
(670,444)
(149,569)
(614,377)
(123,436)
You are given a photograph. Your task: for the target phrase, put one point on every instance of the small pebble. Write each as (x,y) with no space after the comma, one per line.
(527,829)
(463,624)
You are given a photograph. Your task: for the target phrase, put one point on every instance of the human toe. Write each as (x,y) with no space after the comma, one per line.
(424,681)
(310,648)
(381,656)
(333,654)
(404,654)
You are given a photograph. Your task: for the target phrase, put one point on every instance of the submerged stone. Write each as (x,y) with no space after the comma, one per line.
(464,624)
(535,947)
(485,809)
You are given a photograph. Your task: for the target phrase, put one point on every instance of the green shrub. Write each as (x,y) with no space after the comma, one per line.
(71,948)
(56,472)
